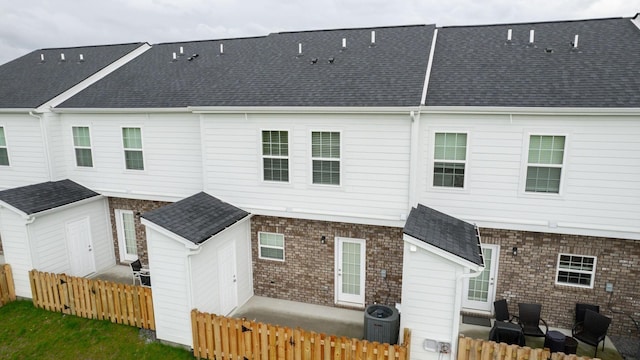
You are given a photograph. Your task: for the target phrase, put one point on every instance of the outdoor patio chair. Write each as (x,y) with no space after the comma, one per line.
(580,309)
(138,271)
(501,309)
(529,318)
(592,330)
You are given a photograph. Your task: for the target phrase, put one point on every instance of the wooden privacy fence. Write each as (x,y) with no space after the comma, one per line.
(472,349)
(7,289)
(93,299)
(222,338)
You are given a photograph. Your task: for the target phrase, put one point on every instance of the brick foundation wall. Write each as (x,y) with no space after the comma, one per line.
(307,274)
(138,207)
(530,276)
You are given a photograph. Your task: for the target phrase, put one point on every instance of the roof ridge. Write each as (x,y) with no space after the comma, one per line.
(209,40)
(533,22)
(355,28)
(91,46)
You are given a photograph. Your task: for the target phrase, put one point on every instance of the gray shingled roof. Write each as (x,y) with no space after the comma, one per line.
(33,199)
(444,232)
(477,66)
(266,71)
(28,82)
(196,218)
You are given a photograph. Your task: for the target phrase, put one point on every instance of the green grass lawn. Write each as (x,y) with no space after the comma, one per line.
(30,333)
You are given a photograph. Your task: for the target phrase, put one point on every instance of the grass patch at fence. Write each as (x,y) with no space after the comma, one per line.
(30,333)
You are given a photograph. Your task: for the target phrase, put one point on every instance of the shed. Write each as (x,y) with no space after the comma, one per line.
(55,226)
(199,258)
(440,252)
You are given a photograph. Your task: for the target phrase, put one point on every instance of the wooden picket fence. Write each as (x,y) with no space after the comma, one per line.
(93,299)
(473,349)
(222,338)
(7,289)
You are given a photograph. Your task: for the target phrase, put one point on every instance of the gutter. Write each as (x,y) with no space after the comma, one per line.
(508,110)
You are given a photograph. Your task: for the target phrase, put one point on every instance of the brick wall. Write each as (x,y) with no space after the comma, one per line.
(138,207)
(307,274)
(530,276)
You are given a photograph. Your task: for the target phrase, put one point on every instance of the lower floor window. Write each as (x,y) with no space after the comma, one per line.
(576,270)
(271,246)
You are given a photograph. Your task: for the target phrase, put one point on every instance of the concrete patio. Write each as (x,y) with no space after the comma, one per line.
(118,273)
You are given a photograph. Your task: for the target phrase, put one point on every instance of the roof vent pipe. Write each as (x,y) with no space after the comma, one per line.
(221,49)
(509,32)
(575,41)
(61,56)
(344,43)
(531,36)
(299,48)
(81,58)
(41,57)
(373,37)
(181,50)
(175,57)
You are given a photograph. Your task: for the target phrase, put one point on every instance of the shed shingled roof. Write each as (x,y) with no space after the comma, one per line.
(32,199)
(268,71)
(444,232)
(28,82)
(196,218)
(478,66)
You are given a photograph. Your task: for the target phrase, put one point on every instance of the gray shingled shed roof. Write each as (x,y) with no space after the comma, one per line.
(28,82)
(477,66)
(196,218)
(33,199)
(444,232)
(267,71)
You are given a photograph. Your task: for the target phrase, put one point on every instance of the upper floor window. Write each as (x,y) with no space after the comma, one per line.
(449,159)
(576,270)
(325,154)
(544,165)
(82,146)
(271,246)
(132,142)
(275,155)
(4,152)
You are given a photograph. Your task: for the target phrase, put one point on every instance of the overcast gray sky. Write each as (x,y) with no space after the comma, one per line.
(27,25)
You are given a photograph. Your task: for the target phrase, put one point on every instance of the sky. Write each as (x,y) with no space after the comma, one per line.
(28,25)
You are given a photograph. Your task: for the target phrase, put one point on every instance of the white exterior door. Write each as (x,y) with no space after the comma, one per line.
(227,278)
(480,292)
(126,229)
(81,258)
(350,271)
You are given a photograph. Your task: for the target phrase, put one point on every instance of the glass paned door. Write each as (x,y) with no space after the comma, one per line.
(350,270)
(127,242)
(479,292)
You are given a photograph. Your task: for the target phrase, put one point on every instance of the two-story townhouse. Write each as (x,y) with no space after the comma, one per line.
(531,131)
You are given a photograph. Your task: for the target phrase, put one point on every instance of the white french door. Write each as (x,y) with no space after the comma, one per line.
(350,271)
(479,292)
(82,261)
(126,229)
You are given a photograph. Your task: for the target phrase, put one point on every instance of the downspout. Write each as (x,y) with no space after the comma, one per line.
(190,253)
(45,143)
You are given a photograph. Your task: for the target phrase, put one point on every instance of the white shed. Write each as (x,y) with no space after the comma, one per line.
(59,227)
(199,258)
(440,253)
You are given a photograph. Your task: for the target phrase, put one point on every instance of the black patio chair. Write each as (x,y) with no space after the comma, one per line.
(501,310)
(138,271)
(592,330)
(580,309)
(529,318)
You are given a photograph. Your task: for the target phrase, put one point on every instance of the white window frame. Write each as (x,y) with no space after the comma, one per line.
(432,152)
(122,242)
(5,146)
(125,149)
(577,271)
(263,156)
(260,246)
(339,159)
(526,164)
(75,147)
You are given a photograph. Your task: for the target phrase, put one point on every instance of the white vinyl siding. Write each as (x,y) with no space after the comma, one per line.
(576,270)
(275,155)
(544,165)
(449,159)
(325,153)
(132,142)
(271,246)
(82,146)
(4,152)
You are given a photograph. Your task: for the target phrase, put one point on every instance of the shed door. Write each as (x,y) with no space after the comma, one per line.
(227,278)
(350,271)
(480,292)
(82,262)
